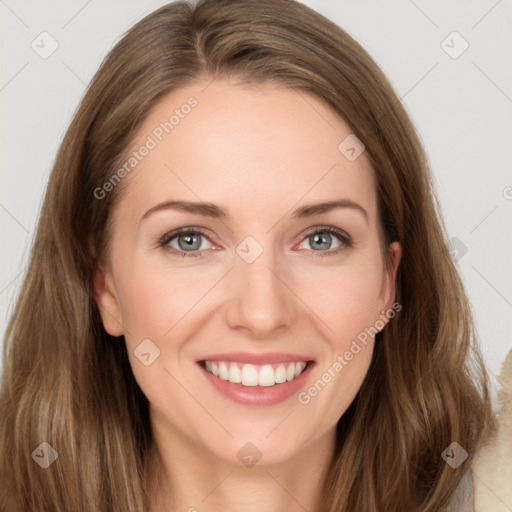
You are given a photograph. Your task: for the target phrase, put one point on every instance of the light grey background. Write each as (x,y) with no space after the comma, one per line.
(461,106)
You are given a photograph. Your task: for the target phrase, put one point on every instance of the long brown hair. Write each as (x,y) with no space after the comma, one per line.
(68,383)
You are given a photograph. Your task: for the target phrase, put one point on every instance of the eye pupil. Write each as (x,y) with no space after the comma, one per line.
(191,242)
(318,237)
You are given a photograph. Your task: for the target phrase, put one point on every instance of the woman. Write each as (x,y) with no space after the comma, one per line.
(180,344)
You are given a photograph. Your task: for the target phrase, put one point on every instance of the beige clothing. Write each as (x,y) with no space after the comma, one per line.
(487,486)
(462,500)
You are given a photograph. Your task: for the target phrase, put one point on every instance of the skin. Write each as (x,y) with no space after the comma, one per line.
(259,151)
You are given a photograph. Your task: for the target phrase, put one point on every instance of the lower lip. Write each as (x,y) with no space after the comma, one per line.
(259,395)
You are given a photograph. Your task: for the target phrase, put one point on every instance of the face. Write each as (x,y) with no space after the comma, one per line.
(265,289)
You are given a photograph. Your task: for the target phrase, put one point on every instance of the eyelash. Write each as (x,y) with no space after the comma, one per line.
(346,241)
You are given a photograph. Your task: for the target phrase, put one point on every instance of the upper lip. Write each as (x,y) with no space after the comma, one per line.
(256,358)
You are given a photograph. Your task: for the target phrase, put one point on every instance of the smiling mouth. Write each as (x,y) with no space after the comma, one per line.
(251,375)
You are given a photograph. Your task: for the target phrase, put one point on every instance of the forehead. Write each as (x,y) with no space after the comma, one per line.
(255,147)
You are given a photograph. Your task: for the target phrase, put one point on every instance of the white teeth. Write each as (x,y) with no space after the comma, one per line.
(266,376)
(253,375)
(299,367)
(235,375)
(223,371)
(249,375)
(280,374)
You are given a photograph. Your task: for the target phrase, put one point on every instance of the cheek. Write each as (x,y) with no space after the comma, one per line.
(159,303)
(347,303)
(350,314)
(346,299)
(154,297)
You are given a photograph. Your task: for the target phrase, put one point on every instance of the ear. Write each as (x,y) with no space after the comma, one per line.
(106,298)
(388,290)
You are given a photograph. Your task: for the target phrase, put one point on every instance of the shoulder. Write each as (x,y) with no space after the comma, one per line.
(487,485)
(492,467)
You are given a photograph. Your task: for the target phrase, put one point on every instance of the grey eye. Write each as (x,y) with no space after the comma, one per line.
(188,242)
(321,241)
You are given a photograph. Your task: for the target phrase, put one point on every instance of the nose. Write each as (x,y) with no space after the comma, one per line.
(261,297)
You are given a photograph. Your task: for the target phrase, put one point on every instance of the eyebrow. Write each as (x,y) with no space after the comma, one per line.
(214,211)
